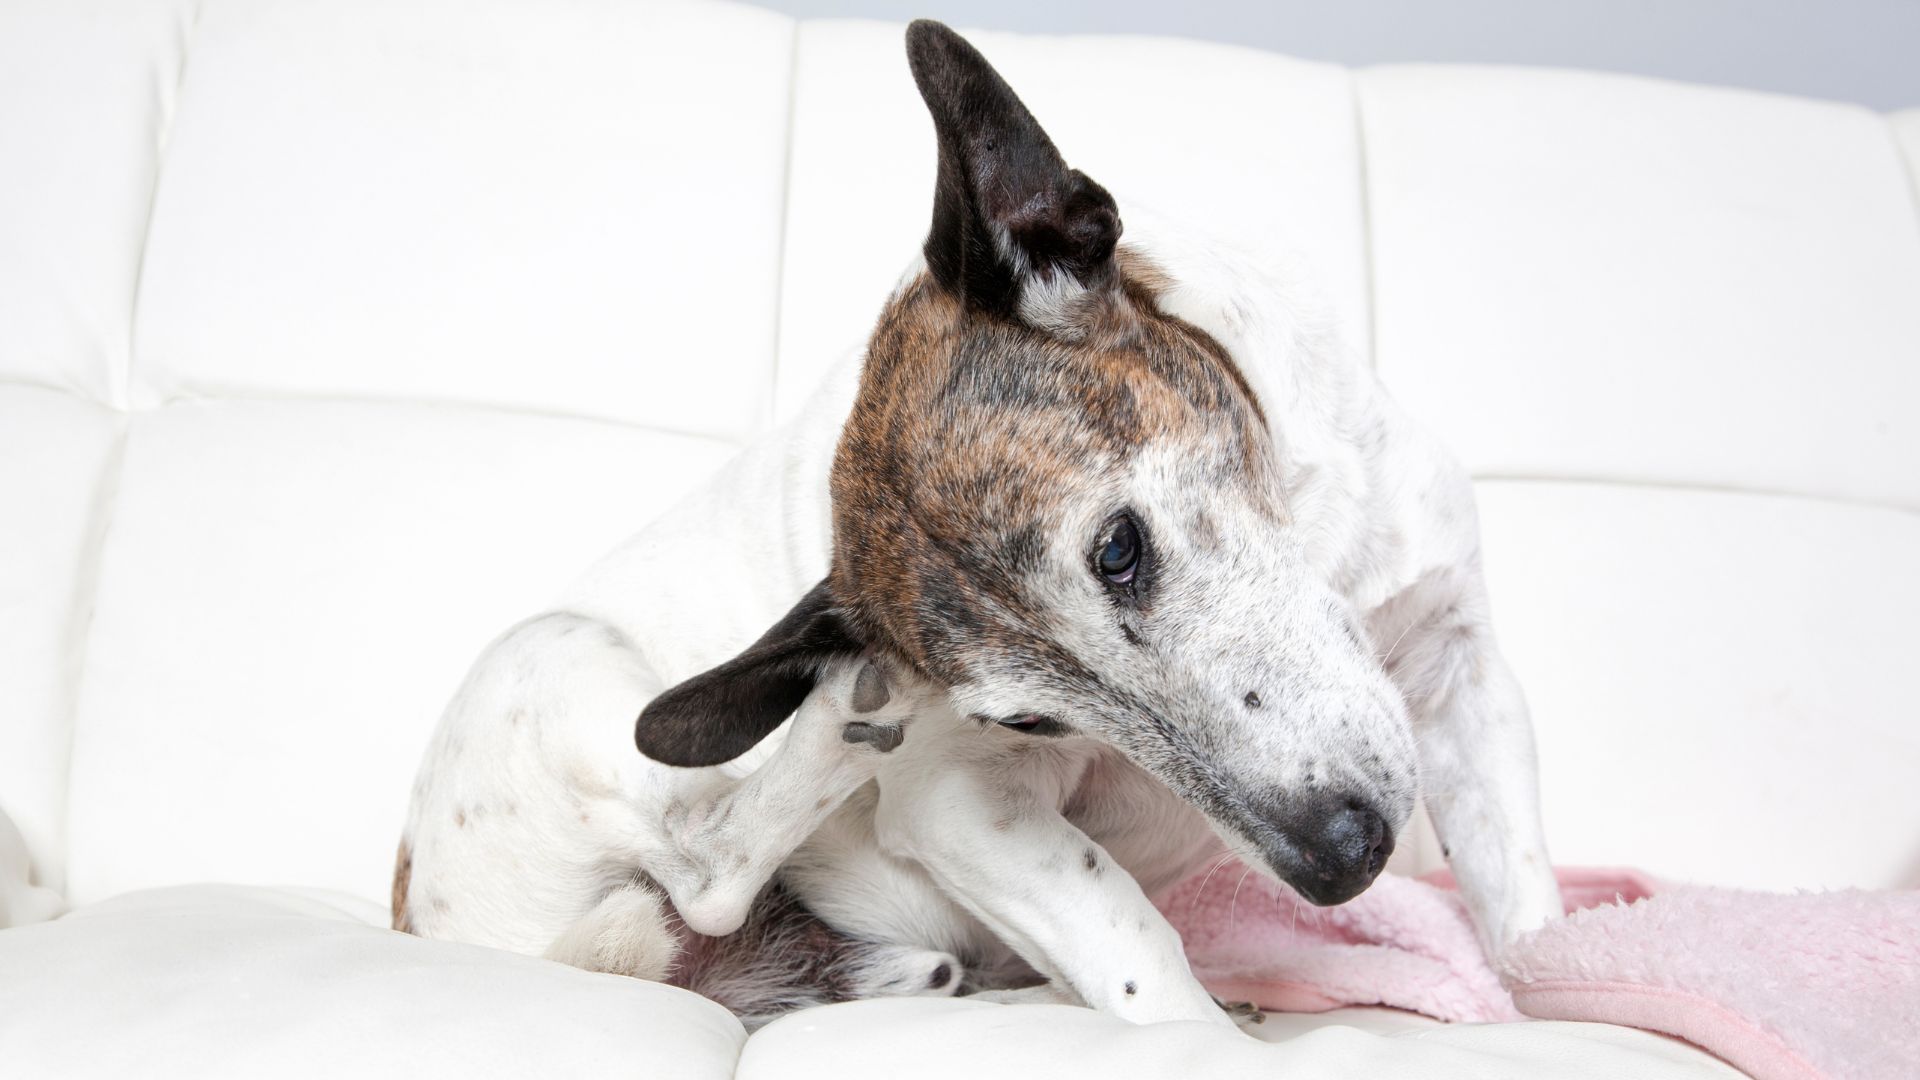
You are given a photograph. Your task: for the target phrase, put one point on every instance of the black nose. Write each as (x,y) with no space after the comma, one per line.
(1340,844)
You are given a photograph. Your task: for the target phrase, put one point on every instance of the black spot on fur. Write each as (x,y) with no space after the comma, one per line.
(1130,988)
(1092,860)
(1252,699)
(940,977)
(870,689)
(882,737)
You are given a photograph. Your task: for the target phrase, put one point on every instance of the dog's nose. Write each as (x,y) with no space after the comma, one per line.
(1341,843)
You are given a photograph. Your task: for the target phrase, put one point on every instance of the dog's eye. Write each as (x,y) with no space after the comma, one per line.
(1120,553)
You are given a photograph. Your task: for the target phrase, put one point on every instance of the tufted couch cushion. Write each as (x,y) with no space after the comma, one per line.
(337,336)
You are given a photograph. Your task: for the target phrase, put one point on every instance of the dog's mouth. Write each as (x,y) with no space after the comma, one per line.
(1026,724)
(1325,843)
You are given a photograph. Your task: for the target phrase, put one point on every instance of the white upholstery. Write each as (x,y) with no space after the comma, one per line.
(337,336)
(498,205)
(222,676)
(1621,279)
(230,981)
(1717,678)
(1906,130)
(876,1038)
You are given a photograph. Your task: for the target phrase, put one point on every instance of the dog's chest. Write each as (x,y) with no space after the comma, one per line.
(1148,830)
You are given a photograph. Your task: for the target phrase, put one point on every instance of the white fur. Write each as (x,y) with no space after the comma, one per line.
(975,840)
(534,819)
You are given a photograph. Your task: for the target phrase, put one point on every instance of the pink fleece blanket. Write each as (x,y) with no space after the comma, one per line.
(1794,987)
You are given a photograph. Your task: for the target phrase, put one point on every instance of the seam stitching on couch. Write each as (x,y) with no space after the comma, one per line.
(786,213)
(1697,486)
(217,394)
(28,382)
(77,637)
(1367,253)
(1909,167)
(163,143)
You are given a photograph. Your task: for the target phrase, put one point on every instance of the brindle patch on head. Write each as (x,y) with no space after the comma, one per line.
(971,435)
(402,881)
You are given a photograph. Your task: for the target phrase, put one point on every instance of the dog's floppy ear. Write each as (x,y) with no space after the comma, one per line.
(1008,215)
(720,714)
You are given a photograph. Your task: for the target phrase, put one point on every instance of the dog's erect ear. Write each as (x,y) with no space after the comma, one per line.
(1008,215)
(720,714)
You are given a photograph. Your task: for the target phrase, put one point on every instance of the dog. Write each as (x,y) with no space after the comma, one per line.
(1131,572)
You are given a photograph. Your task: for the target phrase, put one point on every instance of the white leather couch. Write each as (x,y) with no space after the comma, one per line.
(337,336)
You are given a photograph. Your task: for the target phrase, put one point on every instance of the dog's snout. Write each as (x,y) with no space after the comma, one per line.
(1331,848)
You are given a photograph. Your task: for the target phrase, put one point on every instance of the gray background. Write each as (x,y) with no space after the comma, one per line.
(1849,50)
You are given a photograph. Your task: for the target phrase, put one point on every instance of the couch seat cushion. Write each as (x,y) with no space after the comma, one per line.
(229,981)
(235,981)
(934,1039)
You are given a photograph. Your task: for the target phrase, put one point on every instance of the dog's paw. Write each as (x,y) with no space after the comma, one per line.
(1529,902)
(625,934)
(904,971)
(1243,1013)
(874,702)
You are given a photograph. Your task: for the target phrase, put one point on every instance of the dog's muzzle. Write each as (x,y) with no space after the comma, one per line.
(1328,847)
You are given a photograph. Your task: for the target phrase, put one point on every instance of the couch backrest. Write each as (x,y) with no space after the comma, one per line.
(335,337)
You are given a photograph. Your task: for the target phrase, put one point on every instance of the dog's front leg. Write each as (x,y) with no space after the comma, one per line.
(1478,774)
(1002,850)
(728,841)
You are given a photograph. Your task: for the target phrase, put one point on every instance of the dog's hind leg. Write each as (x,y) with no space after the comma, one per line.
(784,958)
(626,933)
(729,842)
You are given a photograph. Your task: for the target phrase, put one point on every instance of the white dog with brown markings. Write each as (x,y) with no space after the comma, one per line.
(1130,569)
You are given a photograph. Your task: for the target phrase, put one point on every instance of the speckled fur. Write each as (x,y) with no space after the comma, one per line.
(1308,629)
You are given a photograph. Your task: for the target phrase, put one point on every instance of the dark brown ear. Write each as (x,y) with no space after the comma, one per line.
(1006,209)
(720,714)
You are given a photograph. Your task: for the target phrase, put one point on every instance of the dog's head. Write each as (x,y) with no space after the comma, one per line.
(1064,506)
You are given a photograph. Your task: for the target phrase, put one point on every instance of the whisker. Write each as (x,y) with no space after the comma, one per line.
(1217,864)
(1234,904)
(1388,655)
